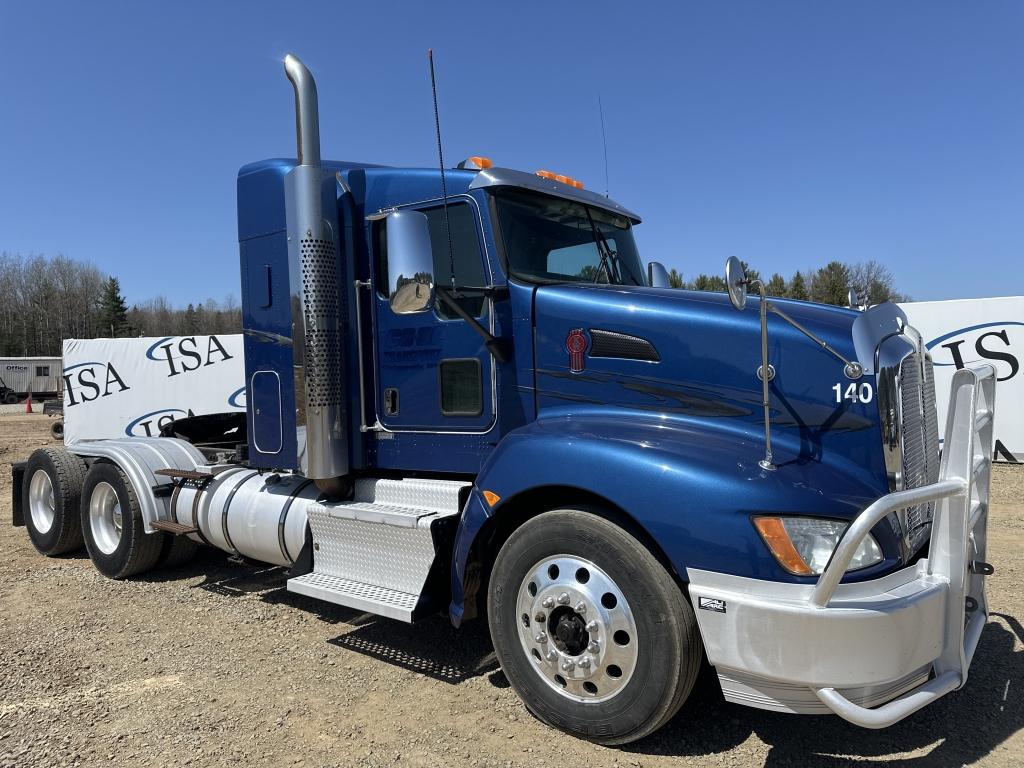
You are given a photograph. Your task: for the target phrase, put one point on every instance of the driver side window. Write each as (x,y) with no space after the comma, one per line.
(465,248)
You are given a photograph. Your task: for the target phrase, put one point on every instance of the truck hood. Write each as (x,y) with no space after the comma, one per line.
(690,356)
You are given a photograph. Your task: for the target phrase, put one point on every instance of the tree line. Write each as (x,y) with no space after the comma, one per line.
(46,299)
(873,283)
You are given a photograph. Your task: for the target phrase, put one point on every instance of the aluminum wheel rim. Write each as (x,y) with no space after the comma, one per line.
(564,587)
(41,504)
(105,518)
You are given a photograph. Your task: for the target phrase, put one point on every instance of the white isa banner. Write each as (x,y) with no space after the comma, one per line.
(958,333)
(133,387)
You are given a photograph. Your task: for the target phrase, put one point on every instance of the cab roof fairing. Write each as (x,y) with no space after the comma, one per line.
(506,177)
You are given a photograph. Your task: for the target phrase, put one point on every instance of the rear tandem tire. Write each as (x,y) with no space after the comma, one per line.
(636,634)
(51,493)
(177,550)
(57,429)
(112,524)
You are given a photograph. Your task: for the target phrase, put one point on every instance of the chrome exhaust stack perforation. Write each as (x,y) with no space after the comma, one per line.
(318,298)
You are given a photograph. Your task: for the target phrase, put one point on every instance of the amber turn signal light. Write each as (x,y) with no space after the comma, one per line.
(774,534)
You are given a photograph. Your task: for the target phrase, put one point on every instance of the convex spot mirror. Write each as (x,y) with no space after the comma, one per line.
(657,276)
(736,282)
(410,278)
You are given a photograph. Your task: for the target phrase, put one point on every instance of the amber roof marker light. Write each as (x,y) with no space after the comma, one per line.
(476,163)
(561,178)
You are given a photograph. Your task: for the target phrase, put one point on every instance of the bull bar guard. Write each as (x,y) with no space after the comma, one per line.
(872,652)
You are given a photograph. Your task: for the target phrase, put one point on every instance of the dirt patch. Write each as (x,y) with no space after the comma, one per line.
(216,664)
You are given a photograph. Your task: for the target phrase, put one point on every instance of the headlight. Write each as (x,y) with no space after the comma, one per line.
(803,545)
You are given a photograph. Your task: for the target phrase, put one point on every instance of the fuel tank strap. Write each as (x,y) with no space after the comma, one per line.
(227,506)
(282,543)
(195,509)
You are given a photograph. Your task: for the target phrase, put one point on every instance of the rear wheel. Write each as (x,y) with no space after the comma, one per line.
(52,492)
(10,398)
(591,630)
(177,550)
(57,430)
(112,524)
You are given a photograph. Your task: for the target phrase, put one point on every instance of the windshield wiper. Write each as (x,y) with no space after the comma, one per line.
(609,259)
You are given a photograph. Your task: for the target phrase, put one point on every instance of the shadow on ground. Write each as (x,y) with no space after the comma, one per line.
(960,728)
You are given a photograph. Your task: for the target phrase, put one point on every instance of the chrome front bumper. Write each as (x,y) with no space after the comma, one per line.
(872,652)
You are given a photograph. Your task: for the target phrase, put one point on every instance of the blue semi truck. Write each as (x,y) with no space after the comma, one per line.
(466,394)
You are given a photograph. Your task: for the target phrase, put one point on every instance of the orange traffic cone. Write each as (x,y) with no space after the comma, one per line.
(28,403)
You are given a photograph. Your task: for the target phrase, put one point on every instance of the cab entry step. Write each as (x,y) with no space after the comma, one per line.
(374,553)
(356,594)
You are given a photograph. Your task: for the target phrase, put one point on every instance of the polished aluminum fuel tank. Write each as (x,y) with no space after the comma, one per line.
(260,516)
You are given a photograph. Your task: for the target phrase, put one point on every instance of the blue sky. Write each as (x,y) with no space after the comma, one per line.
(786,133)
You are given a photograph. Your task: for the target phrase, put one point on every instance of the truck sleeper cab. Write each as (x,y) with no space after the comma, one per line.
(477,402)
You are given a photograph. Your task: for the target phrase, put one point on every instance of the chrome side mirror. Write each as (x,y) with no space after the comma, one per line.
(853,299)
(410,277)
(657,275)
(736,282)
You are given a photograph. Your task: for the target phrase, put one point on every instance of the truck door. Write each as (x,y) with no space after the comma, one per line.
(433,372)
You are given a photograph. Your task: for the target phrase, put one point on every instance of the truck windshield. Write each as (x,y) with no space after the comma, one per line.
(551,240)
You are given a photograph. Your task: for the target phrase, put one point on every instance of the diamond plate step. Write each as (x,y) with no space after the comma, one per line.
(355,594)
(439,497)
(386,514)
(402,503)
(375,552)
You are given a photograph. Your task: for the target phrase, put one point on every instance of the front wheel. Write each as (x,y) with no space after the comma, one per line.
(591,630)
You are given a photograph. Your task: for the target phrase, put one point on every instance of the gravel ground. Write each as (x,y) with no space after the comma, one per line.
(216,664)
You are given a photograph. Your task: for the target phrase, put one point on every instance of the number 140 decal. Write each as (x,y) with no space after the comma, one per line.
(855,393)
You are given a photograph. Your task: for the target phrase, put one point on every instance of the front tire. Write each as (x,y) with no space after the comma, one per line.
(52,492)
(112,524)
(591,630)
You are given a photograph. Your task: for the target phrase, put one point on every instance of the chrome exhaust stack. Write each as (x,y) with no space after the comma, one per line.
(317,296)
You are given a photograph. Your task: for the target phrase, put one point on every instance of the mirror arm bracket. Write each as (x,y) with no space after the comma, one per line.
(853,370)
(500,349)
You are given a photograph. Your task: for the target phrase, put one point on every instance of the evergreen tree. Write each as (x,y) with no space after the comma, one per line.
(708,283)
(798,288)
(831,283)
(776,286)
(191,325)
(675,280)
(113,310)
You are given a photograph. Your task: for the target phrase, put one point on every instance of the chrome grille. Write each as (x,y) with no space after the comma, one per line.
(920,440)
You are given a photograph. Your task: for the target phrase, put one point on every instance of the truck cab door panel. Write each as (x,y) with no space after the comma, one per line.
(434,373)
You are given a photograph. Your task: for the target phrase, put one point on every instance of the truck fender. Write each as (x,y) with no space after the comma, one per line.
(139,458)
(691,490)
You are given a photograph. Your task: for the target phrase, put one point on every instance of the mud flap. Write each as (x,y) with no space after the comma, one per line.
(17,476)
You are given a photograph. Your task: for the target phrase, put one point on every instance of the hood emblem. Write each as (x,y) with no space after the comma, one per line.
(576,344)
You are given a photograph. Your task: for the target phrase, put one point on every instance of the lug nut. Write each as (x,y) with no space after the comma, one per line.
(552,655)
(568,665)
(581,607)
(542,637)
(563,599)
(593,647)
(584,662)
(548,602)
(592,626)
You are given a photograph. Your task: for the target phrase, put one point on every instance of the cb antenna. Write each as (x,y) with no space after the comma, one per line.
(440,158)
(604,142)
